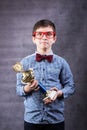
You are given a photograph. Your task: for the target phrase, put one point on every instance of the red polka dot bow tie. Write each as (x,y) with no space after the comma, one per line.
(43,57)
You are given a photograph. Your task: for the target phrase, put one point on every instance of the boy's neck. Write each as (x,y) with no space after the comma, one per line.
(44,51)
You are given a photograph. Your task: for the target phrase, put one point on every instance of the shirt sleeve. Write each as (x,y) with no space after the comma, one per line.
(66,78)
(20,86)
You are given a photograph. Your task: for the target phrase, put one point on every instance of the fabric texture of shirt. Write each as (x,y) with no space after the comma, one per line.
(55,74)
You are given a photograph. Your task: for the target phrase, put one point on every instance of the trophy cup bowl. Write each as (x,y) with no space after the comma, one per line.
(27,76)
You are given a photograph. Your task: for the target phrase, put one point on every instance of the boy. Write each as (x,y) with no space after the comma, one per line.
(54,73)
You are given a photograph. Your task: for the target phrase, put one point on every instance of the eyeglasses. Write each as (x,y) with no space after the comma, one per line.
(49,34)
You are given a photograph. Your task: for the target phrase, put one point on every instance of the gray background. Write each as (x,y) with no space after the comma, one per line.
(17,18)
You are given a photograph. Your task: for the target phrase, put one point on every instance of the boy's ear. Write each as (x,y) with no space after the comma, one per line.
(33,39)
(55,38)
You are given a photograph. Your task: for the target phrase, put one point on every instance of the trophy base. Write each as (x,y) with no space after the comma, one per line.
(50,95)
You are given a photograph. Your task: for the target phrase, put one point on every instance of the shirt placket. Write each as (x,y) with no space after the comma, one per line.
(43,81)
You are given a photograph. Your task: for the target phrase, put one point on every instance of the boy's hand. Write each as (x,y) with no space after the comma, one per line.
(31,86)
(58,93)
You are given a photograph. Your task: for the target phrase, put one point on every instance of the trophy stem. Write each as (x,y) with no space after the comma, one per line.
(42,87)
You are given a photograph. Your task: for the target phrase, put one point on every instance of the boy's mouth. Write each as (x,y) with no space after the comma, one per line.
(44,42)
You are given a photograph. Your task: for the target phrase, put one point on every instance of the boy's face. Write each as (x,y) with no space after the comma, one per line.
(44,38)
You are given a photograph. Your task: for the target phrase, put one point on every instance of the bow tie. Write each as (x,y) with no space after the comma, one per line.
(43,57)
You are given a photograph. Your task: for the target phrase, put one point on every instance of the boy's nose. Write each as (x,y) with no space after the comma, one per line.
(44,36)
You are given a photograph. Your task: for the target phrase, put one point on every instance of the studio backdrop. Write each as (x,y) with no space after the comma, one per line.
(17,18)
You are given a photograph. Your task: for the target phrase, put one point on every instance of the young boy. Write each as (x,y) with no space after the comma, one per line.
(54,73)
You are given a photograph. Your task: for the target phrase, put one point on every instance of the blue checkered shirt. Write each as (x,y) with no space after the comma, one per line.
(55,74)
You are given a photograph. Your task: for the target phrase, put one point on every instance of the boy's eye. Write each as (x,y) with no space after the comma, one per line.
(39,34)
(49,34)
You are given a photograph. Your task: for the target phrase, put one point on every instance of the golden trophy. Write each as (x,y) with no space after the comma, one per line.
(28,77)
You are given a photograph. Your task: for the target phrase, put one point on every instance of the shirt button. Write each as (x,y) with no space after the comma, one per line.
(43,60)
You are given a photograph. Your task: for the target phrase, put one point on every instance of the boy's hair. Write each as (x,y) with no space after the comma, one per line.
(44,23)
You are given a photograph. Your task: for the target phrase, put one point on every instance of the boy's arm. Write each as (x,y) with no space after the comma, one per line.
(66,78)
(25,89)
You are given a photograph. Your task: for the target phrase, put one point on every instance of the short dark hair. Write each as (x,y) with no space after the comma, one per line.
(43,23)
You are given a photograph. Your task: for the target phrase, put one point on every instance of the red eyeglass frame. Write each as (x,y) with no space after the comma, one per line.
(45,33)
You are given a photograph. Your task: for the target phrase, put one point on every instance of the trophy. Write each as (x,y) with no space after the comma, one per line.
(28,77)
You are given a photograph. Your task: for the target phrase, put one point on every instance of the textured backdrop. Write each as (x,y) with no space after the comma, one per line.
(17,18)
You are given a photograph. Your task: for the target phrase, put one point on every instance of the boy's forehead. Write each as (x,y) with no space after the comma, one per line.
(44,29)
